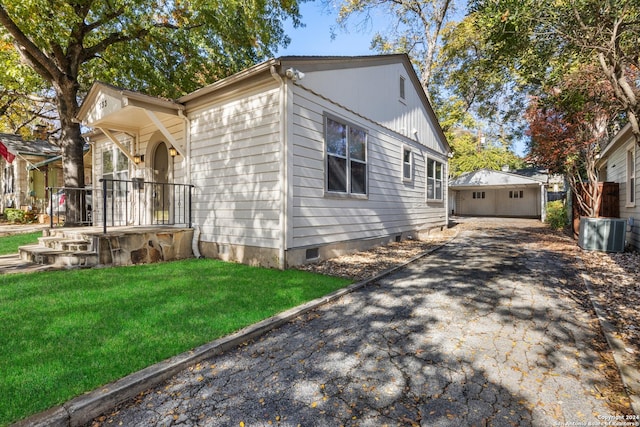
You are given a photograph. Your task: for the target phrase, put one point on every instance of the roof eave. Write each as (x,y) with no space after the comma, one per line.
(619,138)
(235,78)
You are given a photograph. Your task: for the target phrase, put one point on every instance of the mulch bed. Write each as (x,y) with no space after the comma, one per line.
(615,279)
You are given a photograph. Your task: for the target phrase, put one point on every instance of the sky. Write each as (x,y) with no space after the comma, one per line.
(315,38)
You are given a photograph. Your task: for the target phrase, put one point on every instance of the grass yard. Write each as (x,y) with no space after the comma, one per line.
(67,332)
(10,244)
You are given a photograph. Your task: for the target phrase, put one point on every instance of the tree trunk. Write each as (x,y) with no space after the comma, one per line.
(72,145)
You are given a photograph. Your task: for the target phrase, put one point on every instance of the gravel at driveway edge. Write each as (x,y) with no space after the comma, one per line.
(82,409)
(629,374)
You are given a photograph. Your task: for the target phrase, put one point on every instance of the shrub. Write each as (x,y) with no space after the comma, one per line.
(556,214)
(14,215)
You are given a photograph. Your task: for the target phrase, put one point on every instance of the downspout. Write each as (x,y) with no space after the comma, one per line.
(187,136)
(283,168)
(543,202)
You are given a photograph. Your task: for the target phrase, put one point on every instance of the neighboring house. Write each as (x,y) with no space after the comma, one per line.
(23,186)
(293,160)
(488,192)
(619,163)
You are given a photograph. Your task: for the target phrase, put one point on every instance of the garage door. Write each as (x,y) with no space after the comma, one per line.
(514,202)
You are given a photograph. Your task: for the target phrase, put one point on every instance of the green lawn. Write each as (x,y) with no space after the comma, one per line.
(63,333)
(10,244)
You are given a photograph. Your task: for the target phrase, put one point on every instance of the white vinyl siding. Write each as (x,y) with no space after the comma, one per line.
(391,206)
(236,160)
(616,173)
(370,92)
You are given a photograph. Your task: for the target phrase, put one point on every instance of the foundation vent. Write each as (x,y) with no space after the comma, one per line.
(313,253)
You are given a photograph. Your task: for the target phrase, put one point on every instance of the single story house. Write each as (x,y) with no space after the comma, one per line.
(29,168)
(619,163)
(503,193)
(24,185)
(293,160)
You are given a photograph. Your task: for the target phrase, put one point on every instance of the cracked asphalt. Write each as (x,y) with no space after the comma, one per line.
(478,333)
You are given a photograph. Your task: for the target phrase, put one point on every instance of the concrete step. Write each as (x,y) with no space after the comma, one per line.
(59,258)
(65,244)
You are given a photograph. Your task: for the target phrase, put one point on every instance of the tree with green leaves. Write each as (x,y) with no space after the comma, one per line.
(471,152)
(474,104)
(545,40)
(24,98)
(160,47)
(464,76)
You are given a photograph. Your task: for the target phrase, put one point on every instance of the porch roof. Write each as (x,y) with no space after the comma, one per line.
(113,108)
(58,158)
(624,136)
(38,147)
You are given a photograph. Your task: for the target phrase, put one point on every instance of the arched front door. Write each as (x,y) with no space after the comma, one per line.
(161,200)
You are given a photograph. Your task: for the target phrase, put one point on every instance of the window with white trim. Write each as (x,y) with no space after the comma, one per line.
(631,177)
(517,194)
(346,149)
(478,194)
(407,164)
(434,179)
(115,166)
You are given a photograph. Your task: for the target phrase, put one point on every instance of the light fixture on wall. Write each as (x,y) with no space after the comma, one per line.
(294,74)
(172,151)
(138,158)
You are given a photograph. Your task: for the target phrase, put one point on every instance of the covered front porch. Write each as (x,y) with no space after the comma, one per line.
(121,222)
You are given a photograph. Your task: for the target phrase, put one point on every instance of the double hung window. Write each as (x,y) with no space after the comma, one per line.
(407,164)
(115,166)
(434,180)
(346,165)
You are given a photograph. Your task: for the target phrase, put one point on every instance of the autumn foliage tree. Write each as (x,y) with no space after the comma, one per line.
(568,125)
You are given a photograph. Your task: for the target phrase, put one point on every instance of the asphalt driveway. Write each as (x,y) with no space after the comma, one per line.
(486,331)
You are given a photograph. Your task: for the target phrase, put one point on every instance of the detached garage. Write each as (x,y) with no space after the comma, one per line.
(497,193)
